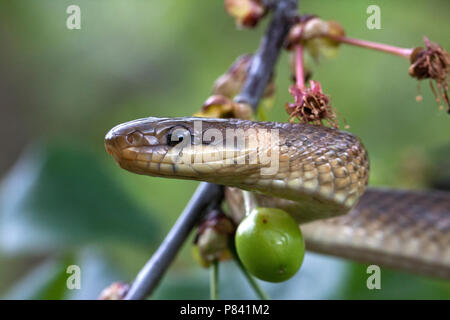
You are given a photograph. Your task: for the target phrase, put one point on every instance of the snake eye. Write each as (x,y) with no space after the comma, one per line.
(178,134)
(134,137)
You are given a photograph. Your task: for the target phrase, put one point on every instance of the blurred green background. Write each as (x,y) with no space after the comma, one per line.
(63,200)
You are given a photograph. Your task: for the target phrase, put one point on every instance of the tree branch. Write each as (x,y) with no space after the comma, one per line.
(148,278)
(263,62)
(206,194)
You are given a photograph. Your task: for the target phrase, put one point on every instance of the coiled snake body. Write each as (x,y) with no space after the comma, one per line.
(317,174)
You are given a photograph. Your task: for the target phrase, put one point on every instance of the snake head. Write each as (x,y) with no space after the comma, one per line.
(192,148)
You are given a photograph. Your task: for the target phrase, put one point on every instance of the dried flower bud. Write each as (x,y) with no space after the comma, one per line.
(295,35)
(312,32)
(246,13)
(116,291)
(433,63)
(213,238)
(313,27)
(230,83)
(311,106)
(227,86)
(218,106)
(243,111)
(335,29)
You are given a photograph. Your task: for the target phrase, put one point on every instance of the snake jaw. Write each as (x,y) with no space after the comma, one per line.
(136,151)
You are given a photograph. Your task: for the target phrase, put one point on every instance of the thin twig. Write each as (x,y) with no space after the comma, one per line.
(299,72)
(248,201)
(260,71)
(263,62)
(401,52)
(251,280)
(149,277)
(214,280)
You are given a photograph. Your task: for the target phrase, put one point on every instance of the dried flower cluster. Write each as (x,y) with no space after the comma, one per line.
(219,106)
(213,238)
(311,106)
(231,82)
(432,62)
(116,291)
(312,32)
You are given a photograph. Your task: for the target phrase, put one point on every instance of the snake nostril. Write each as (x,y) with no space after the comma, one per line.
(110,140)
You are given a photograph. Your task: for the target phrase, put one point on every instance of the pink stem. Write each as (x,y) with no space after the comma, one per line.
(299,75)
(402,52)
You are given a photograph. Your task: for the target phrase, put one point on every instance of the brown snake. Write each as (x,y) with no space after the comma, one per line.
(319,177)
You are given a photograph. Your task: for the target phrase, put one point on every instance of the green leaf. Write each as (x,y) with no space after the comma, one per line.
(394,285)
(48,280)
(58,196)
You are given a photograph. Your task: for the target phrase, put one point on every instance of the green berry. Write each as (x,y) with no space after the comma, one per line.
(270,244)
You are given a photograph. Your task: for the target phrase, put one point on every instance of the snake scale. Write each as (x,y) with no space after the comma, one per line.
(319,175)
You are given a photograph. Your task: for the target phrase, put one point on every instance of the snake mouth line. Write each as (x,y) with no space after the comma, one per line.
(150,160)
(196,158)
(145,159)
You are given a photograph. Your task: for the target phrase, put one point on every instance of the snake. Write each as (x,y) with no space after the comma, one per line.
(319,175)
